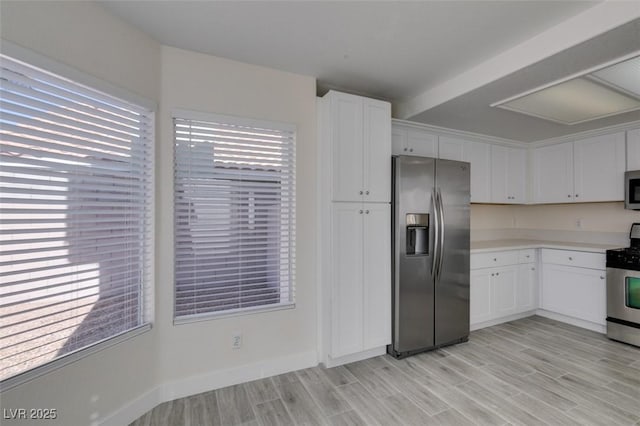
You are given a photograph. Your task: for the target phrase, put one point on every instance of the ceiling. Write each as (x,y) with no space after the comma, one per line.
(387,50)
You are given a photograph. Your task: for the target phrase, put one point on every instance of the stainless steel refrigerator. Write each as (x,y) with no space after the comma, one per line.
(430,249)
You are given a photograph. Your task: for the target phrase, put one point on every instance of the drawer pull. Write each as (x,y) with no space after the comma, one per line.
(495,259)
(601,277)
(570,258)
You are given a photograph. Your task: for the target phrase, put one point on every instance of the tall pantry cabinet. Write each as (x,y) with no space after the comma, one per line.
(355,234)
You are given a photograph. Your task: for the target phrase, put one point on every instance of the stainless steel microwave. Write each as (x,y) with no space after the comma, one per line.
(632,190)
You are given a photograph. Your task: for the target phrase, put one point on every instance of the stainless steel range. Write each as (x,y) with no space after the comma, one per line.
(623,291)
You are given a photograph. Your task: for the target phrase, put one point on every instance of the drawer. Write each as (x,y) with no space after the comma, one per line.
(581,259)
(527,256)
(495,258)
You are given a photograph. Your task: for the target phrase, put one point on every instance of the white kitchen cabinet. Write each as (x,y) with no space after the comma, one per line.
(503,283)
(527,288)
(574,285)
(575,292)
(633,149)
(599,166)
(508,174)
(480,309)
(586,170)
(503,288)
(478,154)
(412,141)
(360,132)
(553,173)
(360,299)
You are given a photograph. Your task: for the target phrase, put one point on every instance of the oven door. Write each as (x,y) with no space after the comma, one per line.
(623,295)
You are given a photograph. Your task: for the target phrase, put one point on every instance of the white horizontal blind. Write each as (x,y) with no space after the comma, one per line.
(234,216)
(75,226)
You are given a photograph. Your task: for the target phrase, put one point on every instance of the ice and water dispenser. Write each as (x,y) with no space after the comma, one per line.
(417,234)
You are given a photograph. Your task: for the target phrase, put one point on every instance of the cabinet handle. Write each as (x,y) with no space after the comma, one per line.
(601,277)
(367,192)
(495,259)
(405,150)
(569,196)
(528,256)
(533,269)
(493,275)
(577,195)
(360,211)
(360,192)
(366,211)
(497,273)
(570,258)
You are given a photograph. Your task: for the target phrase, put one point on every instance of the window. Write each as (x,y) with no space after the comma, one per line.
(75,226)
(234,216)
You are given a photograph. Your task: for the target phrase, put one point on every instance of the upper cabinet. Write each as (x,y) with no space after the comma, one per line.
(476,153)
(412,141)
(633,149)
(360,133)
(598,168)
(508,174)
(553,173)
(586,170)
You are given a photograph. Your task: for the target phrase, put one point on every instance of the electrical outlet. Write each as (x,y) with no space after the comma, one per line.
(236,340)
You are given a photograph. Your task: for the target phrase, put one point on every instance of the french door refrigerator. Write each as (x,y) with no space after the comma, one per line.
(430,254)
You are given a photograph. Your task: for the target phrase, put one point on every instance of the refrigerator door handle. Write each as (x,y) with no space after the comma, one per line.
(436,228)
(441,232)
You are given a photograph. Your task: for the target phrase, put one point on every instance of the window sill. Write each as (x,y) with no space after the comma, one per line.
(188,319)
(70,358)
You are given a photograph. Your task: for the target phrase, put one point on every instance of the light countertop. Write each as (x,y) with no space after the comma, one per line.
(495,245)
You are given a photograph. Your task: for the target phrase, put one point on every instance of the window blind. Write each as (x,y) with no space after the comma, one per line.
(75,217)
(234,216)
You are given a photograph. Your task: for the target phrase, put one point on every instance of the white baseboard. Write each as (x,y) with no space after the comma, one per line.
(484,324)
(334,362)
(598,328)
(206,382)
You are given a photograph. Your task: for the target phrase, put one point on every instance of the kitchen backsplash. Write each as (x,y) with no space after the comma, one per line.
(604,223)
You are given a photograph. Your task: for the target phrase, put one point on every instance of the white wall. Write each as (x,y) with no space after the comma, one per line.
(83,36)
(172,361)
(215,85)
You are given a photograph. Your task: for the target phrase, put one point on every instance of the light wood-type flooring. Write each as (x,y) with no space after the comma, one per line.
(532,371)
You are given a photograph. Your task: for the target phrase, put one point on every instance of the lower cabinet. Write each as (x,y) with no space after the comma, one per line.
(576,292)
(360,288)
(501,291)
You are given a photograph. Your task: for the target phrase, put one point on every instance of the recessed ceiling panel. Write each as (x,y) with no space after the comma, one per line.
(573,101)
(625,75)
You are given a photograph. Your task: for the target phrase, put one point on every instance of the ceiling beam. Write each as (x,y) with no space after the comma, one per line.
(582,27)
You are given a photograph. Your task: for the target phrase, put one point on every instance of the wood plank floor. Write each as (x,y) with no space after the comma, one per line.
(532,371)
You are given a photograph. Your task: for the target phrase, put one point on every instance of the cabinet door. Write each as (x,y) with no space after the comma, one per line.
(516,175)
(575,292)
(508,174)
(347,169)
(480,296)
(346,284)
(553,173)
(599,166)
(451,148)
(398,140)
(377,275)
(422,143)
(526,288)
(377,151)
(503,287)
(633,149)
(479,155)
